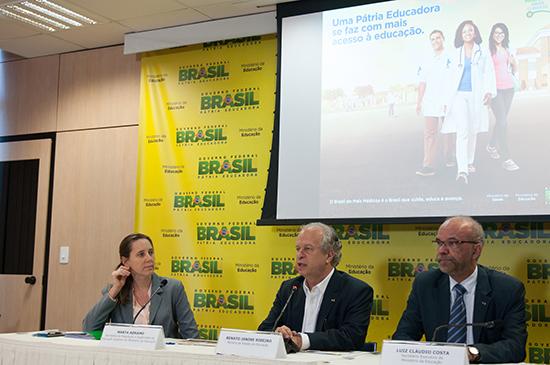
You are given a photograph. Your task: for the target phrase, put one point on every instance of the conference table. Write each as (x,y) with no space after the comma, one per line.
(25,349)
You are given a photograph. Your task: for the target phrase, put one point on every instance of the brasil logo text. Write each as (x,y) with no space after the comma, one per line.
(230,100)
(228,166)
(214,134)
(203,72)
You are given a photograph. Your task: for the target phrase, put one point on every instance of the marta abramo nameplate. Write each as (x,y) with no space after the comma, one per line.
(267,345)
(133,336)
(423,353)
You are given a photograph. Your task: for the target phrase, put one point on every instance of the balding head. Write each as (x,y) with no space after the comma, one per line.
(460,243)
(466,225)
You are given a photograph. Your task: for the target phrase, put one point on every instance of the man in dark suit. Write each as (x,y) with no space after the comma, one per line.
(329,310)
(460,292)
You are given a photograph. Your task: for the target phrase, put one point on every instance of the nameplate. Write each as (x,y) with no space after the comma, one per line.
(133,336)
(265,345)
(423,353)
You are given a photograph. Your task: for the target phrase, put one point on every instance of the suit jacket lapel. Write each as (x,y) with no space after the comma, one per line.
(127,310)
(482,300)
(156,300)
(443,306)
(329,299)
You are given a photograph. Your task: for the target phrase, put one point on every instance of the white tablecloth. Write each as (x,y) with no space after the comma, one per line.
(24,349)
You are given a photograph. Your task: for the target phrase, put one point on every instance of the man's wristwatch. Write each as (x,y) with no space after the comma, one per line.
(474,352)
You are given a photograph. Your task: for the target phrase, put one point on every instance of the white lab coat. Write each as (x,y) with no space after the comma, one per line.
(483,82)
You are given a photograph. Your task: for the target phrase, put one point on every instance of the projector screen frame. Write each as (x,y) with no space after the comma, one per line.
(269,209)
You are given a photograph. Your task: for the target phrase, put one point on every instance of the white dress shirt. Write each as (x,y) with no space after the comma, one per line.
(314,298)
(469,296)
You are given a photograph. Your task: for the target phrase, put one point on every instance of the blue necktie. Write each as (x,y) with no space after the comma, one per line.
(458,316)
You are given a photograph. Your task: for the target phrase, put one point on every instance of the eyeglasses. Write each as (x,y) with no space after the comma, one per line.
(452,243)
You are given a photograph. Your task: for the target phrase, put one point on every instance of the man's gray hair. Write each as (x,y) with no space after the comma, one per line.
(330,241)
(476,230)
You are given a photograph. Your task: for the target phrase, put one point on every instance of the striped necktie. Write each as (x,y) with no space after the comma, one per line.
(458,317)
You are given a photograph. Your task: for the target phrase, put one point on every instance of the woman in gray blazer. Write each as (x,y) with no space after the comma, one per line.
(133,283)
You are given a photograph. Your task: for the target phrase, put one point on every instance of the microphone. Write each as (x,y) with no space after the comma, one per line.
(490,324)
(163,282)
(293,290)
(290,346)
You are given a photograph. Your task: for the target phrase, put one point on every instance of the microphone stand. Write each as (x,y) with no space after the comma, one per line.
(162,284)
(489,324)
(290,346)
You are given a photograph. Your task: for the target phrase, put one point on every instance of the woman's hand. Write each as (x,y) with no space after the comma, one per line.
(119,279)
(487,99)
(513,64)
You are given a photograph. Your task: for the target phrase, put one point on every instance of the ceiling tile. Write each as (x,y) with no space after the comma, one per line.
(163,20)
(76,5)
(266,2)
(39,45)
(197,3)
(13,29)
(218,11)
(98,35)
(126,9)
(117,17)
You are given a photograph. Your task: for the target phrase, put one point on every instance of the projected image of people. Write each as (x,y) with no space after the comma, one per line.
(505,70)
(473,87)
(432,104)
(415,109)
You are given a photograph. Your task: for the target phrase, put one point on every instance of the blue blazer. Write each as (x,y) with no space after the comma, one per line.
(343,318)
(497,297)
(169,308)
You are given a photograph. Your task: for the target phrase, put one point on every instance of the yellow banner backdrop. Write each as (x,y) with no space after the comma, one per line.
(206,119)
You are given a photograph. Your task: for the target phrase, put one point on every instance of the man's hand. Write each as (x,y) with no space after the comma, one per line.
(473,354)
(285,331)
(290,334)
(297,339)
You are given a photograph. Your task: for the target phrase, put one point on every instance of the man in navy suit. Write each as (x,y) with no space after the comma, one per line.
(329,310)
(461,285)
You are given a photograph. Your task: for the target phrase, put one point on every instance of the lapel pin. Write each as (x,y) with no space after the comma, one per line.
(484,303)
(333,300)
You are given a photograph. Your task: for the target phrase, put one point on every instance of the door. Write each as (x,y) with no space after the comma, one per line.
(24,187)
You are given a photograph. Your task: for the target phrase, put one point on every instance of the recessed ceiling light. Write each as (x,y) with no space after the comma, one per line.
(26,20)
(44,14)
(32,14)
(66,11)
(50,13)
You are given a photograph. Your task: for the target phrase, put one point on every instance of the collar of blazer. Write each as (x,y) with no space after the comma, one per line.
(481,301)
(330,298)
(442,300)
(156,300)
